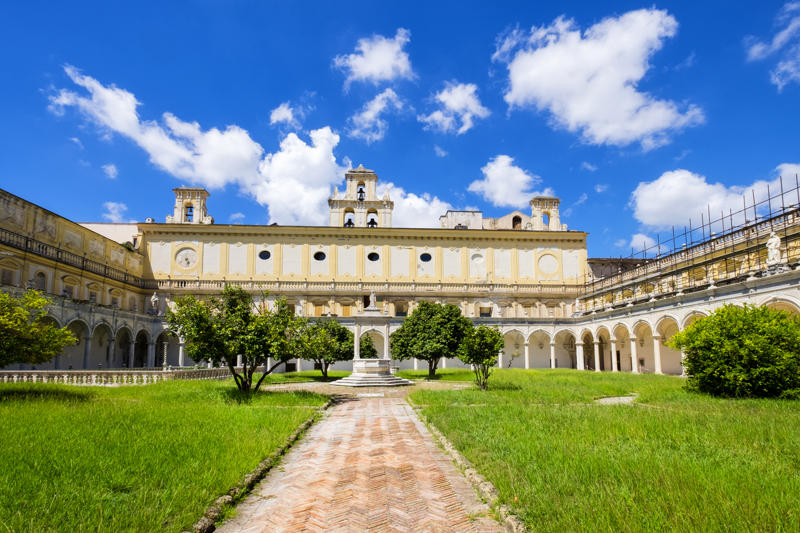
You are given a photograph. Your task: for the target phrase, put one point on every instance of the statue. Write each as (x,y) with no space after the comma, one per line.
(773,249)
(154,302)
(371,300)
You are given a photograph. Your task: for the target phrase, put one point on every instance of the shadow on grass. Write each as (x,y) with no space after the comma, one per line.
(234,395)
(40,393)
(503,386)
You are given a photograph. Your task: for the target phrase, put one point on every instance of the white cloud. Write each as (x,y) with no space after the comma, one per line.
(439,151)
(620,243)
(788,171)
(588,166)
(588,80)
(459,103)
(215,158)
(413,210)
(77,142)
(115,211)
(377,59)
(285,114)
(678,195)
(505,184)
(581,200)
(786,42)
(110,171)
(236,218)
(600,188)
(640,241)
(367,124)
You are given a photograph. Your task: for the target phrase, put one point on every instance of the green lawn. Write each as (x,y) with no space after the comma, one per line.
(298,377)
(442,374)
(674,461)
(146,458)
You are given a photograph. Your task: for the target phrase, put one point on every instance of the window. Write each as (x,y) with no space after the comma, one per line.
(7,276)
(516,223)
(485,312)
(40,281)
(93,296)
(425,257)
(372,256)
(400,309)
(115,302)
(264,254)
(69,291)
(319,256)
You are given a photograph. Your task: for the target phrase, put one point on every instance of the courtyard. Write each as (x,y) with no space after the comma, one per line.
(154,457)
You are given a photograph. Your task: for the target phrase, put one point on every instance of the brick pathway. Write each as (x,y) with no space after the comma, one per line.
(370,465)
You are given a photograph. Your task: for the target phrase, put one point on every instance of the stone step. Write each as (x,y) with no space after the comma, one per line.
(361,380)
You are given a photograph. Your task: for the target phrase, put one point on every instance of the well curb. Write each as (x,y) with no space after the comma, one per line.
(482,486)
(214,512)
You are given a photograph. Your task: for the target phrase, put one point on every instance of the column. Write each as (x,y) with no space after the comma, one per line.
(657,353)
(552,355)
(527,356)
(443,362)
(614,366)
(500,359)
(239,361)
(357,341)
(151,354)
(210,364)
(597,356)
(386,354)
(416,364)
(299,365)
(683,364)
(634,356)
(579,356)
(87,347)
(57,362)
(131,354)
(181,352)
(164,359)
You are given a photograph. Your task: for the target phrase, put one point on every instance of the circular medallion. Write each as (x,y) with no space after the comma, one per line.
(186,258)
(548,264)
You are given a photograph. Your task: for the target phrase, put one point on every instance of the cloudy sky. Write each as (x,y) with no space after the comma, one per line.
(636,115)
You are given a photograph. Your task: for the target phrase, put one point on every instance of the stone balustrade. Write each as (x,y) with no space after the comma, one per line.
(109,377)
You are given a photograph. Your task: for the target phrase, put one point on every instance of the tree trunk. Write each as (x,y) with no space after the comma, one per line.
(324,367)
(432,368)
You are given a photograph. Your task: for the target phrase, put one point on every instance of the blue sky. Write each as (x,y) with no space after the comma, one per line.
(635,115)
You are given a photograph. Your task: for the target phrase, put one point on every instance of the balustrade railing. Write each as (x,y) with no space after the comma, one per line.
(109,377)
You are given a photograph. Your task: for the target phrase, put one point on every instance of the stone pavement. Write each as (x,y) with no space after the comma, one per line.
(369,464)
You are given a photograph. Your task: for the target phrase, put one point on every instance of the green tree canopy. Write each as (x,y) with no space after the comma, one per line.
(26,335)
(366,348)
(431,332)
(325,343)
(743,352)
(220,329)
(479,349)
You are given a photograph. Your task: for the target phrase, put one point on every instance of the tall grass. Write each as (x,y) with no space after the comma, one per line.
(673,461)
(134,458)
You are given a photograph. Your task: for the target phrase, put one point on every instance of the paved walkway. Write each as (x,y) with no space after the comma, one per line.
(370,465)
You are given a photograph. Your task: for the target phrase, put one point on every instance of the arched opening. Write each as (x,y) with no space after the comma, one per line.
(72,356)
(604,346)
(516,222)
(546,220)
(361,193)
(140,350)
(622,348)
(513,351)
(645,350)
(40,281)
(539,346)
(589,363)
(783,305)
(372,218)
(102,348)
(666,328)
(565,351)
(349,218)
(166,349)
(122,348)
(188,213)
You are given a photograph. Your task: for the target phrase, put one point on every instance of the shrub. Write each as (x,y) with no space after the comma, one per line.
(479,349)
(743,352)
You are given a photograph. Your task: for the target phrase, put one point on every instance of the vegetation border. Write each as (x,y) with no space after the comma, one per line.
(482,486)
(215,512)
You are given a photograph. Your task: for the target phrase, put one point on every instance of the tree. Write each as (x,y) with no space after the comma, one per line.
(220,329)
(366,348)
(743,352)
(325,343)
(479,349)
(431,332)
(26,336)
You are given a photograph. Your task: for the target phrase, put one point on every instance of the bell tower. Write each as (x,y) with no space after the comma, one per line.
(190,206)
(359,206)
(544,214)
